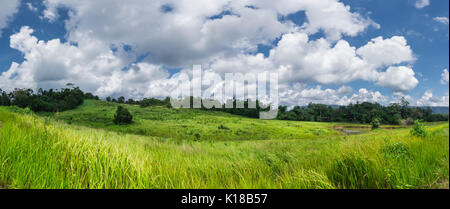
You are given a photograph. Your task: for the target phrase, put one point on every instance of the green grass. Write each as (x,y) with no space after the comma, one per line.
(190,125)
(41,152)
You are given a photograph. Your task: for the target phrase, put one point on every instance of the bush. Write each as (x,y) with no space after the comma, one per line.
(419,129)
(375,123)
(396,150)
(122,116)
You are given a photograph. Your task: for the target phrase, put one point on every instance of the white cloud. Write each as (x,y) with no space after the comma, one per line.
(444,77)
(443,20)
(146,28)
(299,95)
(186,35)
(386,52)
(299,59)
(398,78)
(31,7)
(333,17)
(428,99)
(8,8)
(422,3)
(91,65)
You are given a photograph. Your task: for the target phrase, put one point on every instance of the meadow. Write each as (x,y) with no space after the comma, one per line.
(169,148)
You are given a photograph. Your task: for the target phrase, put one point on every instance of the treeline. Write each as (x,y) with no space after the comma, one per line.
(71,97)
(251,108)
(146,102)
(394,114)
(44,100)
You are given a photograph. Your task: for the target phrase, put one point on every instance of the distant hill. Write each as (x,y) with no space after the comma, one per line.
(438,110)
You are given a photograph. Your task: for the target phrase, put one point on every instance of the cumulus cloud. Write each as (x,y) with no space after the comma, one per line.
(398,78)
(215,28)
(386,52)
(333,17)
(299,94)
(319,61)
(90,64)
(9,8)
(298,59)
(444,77)
(428,99)
(422,3)
(105,39)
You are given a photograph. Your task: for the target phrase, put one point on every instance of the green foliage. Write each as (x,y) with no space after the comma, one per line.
(394,114)
(419,129)
(155,102)
(352,171)
(122,116)
(395,150)
(4,99)
(19,110)
(91,96)
(44,101)
(375,123)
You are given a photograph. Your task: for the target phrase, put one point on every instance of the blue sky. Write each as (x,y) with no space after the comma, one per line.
(425,35)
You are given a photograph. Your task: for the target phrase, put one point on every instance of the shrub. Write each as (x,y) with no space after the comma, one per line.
(27,110)
(122,116)
(419,129)
(396,150)
(375,123)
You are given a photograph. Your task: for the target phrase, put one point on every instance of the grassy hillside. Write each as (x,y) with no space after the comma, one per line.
(39,152)
(190,125)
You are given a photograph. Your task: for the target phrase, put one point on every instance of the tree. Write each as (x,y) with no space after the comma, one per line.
(108,99)
(121,100)
(419,129)
(4,99)
(405,111)
(376,123)
(122,116)
(22,97)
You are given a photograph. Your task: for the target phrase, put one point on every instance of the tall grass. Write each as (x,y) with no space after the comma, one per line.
(38,152)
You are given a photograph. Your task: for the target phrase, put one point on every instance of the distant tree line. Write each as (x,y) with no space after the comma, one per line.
(366,113)
(146,102)
(395,113)
(252,112)
(44,100)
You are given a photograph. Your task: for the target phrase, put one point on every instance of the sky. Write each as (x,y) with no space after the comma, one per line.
(330,51)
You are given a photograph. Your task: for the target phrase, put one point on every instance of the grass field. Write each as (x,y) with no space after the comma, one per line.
(166,148)
(189,125)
